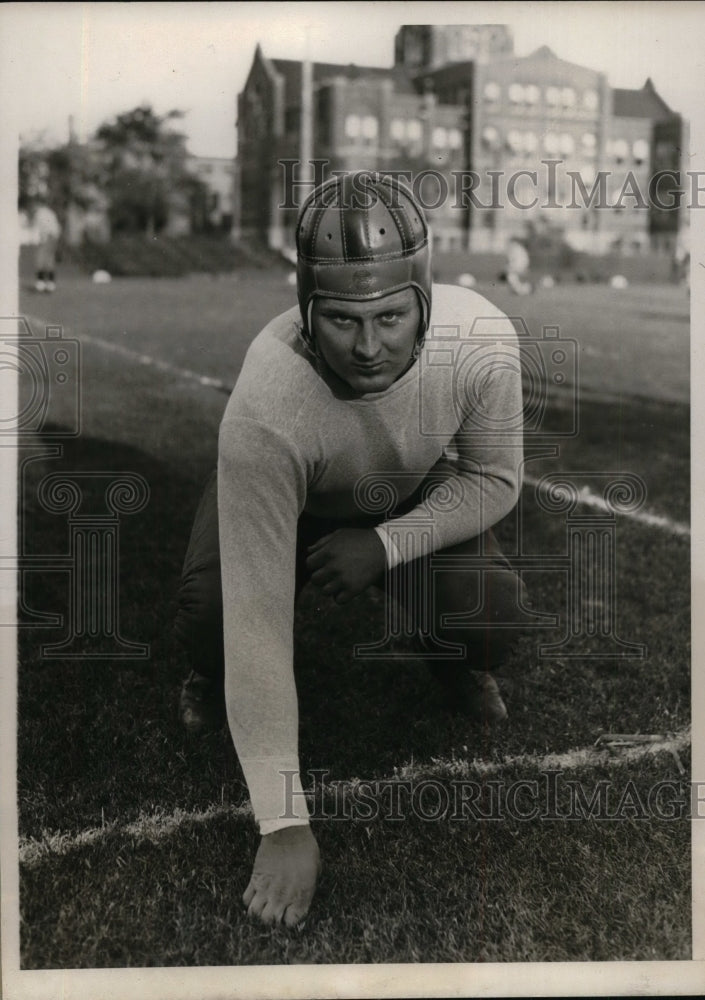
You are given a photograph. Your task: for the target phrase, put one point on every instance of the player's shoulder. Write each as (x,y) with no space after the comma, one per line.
(277,373)
(466,311)
(462,304)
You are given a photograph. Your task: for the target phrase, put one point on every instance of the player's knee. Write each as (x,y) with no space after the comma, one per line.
(481,601)
(200,605)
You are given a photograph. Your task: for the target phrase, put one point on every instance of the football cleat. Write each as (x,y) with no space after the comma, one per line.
(472,693)
(202,704)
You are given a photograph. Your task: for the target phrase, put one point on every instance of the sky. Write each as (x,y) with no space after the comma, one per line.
(96,60)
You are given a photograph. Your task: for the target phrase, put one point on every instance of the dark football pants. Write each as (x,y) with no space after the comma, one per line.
(493,601)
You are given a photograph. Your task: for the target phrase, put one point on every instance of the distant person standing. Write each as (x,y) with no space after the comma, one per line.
(48,231)
(518,263)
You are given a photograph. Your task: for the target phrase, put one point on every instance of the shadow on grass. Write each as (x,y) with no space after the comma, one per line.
(100,742)
(100,739)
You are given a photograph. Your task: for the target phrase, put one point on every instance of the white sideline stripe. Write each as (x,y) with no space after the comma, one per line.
(152,828)
(590,499)
(568,761)
(160,826)
(585,497)
(162,366)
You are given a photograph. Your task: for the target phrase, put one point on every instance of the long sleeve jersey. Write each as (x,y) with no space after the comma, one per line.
(294,438)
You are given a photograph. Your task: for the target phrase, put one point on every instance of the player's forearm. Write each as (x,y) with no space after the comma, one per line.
(261,702)
(458,509)
(260,491)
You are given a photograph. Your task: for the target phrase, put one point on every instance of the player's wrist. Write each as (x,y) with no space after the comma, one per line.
(269,826)
(300,833)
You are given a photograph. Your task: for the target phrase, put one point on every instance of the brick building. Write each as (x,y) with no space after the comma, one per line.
(495,142)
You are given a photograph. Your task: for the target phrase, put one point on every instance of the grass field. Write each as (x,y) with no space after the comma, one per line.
(136,843)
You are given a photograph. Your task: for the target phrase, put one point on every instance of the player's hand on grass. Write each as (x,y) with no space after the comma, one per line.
(345,563)
(284,876)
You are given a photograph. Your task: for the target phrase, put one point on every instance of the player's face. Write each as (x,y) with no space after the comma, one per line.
(367,344)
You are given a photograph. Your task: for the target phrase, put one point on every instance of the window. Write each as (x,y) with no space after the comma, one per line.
(567,144)
(553,96)
(516,93)
(515,141)
(620,150)
(455,138)
(490,137)
(591,100)
(492,91)
(589,142)
(532,94)
(439,138)
(414,132)
(531,142)
(568,97)
(397,129)
(641,150)
(352,126)
(369,127)
(551,142)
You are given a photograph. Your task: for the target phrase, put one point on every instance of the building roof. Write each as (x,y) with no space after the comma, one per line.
(644,103)
(290,70)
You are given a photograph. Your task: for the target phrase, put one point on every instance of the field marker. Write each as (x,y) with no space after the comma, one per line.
(159,826)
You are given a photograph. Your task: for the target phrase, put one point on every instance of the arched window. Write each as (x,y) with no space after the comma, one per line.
(492,91)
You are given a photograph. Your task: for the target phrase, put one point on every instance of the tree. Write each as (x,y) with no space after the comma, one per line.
(61,175)
(146,169)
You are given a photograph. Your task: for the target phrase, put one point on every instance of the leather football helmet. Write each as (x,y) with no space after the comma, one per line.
(361,236)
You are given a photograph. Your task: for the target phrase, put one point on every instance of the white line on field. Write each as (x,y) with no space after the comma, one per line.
(586,497)
(590,499)
(152,828)
(570,760)
(159,826)
(162,366)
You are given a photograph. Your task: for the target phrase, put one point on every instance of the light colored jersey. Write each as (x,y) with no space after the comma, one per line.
(46,224)
(294,439)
